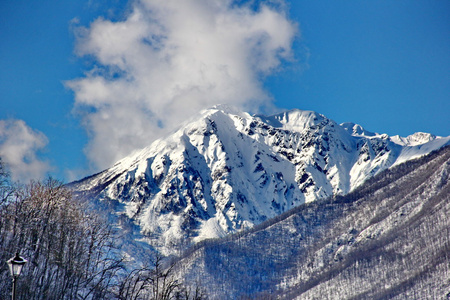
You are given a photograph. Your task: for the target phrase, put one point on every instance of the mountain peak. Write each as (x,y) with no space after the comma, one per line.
(356,129)
(223,108)
(295,119)
(418,138)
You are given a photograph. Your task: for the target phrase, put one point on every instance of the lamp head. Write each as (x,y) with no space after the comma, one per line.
(15,265)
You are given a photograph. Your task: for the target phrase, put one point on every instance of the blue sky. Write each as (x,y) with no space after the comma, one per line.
(382,64)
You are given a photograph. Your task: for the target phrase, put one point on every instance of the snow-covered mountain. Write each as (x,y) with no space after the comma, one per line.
(227,170)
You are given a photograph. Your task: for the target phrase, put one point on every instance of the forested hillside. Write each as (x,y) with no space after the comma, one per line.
(389,239)
(72,252)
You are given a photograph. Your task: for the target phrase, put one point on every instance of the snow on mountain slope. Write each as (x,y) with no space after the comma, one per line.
(415,139)
(227,170)
(357,130)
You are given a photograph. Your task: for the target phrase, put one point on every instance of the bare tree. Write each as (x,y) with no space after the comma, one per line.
(157,282)
(6,188)
(71,252)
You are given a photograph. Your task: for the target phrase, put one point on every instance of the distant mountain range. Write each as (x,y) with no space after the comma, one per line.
(227,170)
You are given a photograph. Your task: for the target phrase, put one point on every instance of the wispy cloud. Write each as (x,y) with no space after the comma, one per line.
(169,59)
(19,145)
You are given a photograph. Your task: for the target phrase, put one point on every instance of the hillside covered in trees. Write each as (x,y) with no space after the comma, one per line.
(389,239)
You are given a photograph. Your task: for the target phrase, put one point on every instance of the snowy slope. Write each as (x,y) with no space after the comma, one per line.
(227,170)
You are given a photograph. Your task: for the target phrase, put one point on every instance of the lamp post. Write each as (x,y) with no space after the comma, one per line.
(15,266)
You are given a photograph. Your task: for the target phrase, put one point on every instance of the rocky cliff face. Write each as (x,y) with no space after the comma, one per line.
(227,170)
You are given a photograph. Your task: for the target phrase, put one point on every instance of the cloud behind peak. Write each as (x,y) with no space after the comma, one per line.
(169,59)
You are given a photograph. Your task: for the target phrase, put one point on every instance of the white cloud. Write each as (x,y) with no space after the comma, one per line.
(169,59)
(18,147)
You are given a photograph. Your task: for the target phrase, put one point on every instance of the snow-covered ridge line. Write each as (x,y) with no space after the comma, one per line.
(227,170)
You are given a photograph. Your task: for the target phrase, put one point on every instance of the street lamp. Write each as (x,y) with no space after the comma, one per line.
(15,266)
